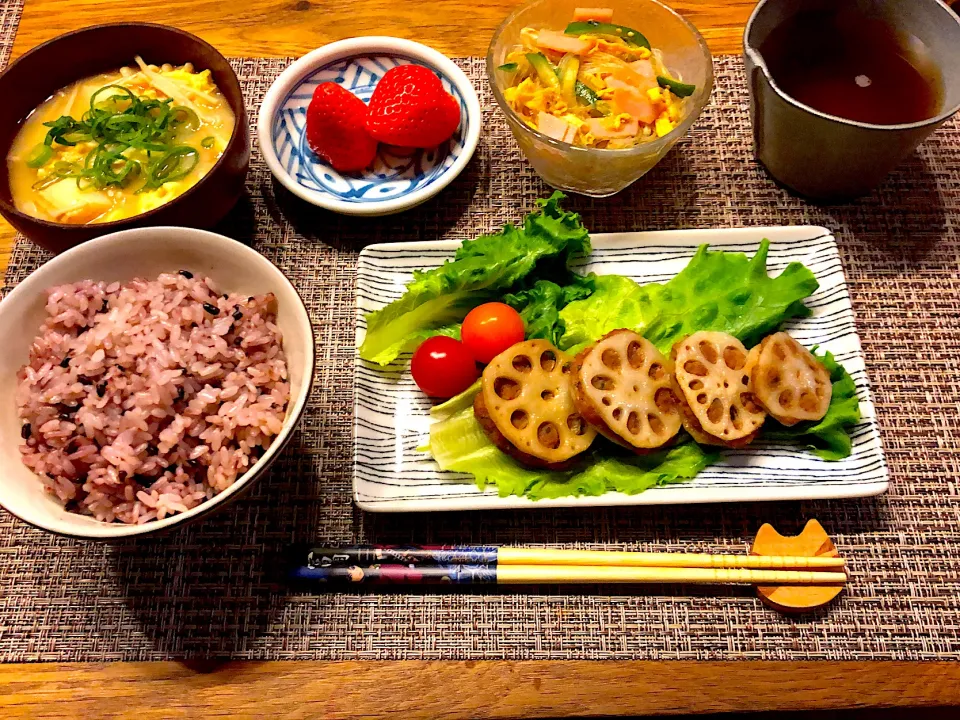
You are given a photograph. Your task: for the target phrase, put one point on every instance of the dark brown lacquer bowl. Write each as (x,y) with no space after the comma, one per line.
(57,63)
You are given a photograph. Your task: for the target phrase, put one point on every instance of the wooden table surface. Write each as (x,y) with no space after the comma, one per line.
(408,689)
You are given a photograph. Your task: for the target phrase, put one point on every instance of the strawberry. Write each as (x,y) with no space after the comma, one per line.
(336,120)
(410,108)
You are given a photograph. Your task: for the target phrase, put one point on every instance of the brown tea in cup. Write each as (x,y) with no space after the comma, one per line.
(844,63)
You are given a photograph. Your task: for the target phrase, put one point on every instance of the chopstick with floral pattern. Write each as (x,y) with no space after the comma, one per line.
(512,565)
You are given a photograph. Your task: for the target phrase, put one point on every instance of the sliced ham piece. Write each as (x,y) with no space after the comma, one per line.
(615,83)
(600,131)
(644,68)
(583,14)
(552,40)
(631,100)
(634,79)
(555,127)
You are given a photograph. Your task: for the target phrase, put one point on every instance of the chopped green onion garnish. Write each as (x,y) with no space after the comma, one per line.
(208,141)
(508,67)
(39,156)
(184,116)
(176,164)
(117,121)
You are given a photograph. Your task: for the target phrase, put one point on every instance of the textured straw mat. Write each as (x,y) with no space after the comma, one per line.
(10,11)
(208,590)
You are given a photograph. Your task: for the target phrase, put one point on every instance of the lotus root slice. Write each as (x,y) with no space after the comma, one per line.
(527,396)
(692,426)
(625,387)
(789,381)
(711,369)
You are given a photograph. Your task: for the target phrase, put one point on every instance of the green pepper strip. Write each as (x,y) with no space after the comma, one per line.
(592,27)
(676,87)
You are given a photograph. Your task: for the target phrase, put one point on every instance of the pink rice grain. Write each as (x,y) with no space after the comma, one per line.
(139,403)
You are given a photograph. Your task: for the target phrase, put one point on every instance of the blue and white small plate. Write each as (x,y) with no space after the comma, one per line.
(399,178)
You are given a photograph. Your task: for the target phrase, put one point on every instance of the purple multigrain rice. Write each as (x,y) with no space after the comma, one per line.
(138,402)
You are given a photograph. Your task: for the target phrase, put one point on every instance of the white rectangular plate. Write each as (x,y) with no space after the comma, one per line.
(392,416)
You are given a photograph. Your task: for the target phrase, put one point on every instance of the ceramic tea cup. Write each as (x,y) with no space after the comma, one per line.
(825,156)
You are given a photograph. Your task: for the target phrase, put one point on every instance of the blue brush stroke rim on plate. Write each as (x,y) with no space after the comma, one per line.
(390,179)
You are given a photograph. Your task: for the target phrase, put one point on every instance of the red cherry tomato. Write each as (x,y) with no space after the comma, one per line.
(443,367)
(491,328)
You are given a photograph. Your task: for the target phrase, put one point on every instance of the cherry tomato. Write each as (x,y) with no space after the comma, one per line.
(491,328)
(443,367)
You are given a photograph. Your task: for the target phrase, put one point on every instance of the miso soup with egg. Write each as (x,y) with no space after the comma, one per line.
(119,144)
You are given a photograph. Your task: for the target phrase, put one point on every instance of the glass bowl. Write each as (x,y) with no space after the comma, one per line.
(592,171)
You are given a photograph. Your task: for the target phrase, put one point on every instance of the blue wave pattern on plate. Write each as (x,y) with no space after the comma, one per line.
(395,172)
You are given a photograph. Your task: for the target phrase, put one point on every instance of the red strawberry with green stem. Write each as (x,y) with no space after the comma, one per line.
(336,128)
(410,108)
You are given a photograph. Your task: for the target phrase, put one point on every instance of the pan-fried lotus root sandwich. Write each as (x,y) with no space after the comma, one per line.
(625,388)
(525,406)
(789,381)
(720,405)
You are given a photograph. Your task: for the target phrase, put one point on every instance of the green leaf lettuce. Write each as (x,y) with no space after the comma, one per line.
(482,270)
(459,444)
(722,291)
(540,305)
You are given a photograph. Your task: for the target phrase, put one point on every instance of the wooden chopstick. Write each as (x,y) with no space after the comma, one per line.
(507,565)
(561,574)
(548,556)
(556,575)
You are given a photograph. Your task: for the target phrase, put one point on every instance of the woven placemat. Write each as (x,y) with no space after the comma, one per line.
(10,11)
(207,590)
